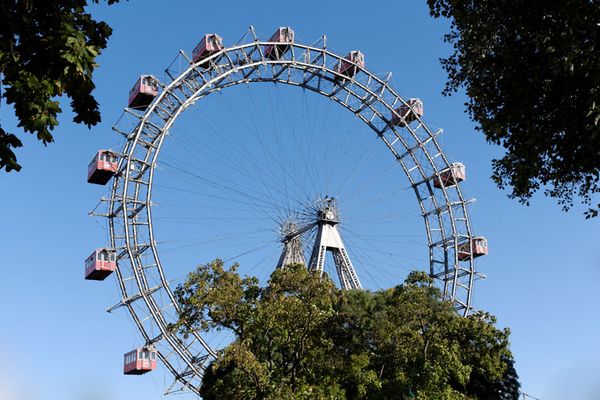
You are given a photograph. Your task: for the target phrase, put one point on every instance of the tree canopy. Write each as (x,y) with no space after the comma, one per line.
(47,50)
(300,337)
(530,70)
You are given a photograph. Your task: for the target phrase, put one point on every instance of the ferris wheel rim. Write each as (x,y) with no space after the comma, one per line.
(317,69)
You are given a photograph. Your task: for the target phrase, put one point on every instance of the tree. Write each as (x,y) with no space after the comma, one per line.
(47,49)
(507,388)
(530,70)
(300,337)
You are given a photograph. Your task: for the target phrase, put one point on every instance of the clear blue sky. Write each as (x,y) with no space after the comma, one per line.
(57,342)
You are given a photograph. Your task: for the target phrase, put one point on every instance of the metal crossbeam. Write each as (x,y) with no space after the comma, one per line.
(127,301)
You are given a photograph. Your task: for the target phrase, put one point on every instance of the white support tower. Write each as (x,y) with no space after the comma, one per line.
(292,246)
(329,239)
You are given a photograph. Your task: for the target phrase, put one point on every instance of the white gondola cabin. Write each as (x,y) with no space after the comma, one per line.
(210,44)
(450,176)
(408,112)
(283,35)
(478,245)
(102,167)
(100,264)
(143,92)
(350,65)
(139,361)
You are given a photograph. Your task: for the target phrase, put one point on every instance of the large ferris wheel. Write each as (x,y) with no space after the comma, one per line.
(272,175)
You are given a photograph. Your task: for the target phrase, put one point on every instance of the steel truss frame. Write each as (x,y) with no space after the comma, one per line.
(145,290)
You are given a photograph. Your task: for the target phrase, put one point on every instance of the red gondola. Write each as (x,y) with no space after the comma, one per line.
(209,45)
(408,112)
(143,92)
(479,246)
(349,69)
(102,168)
(284,35)
(139,361)
(100,264)
(450,176)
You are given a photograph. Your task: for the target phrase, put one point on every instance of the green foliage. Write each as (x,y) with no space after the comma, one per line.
(300,337)
(47,49)
(530,70)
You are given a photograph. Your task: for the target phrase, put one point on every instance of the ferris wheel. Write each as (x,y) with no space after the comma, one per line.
(272,175)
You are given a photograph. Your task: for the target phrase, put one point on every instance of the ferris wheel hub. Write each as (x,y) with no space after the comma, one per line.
(328,211)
